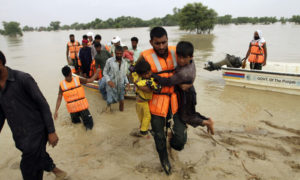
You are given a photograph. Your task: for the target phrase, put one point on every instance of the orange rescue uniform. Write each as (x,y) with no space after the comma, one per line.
(257,53)
(73,49)
(74,95)
(160,103)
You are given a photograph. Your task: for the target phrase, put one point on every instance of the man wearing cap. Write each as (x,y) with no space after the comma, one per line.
(90,38)
(116,41)
(85,56)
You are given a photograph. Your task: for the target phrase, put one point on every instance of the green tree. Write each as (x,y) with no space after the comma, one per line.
(11,28)
(227,19)
(54,25)
(295,19)
(283,20)
(197,17)
(27,28)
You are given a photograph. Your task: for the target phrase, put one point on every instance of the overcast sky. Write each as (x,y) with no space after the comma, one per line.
(42,12)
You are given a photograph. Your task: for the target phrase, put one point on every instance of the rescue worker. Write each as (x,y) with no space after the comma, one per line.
(257,52)
(164,106)
(73,48)
(74,96)
(28,115)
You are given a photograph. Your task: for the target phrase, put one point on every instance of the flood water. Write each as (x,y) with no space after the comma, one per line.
(43,54)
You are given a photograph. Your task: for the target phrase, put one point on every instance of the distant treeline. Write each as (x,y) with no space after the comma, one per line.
(168,20)
(193,17)
(227,19)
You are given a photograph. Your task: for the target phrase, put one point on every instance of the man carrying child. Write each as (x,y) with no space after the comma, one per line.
(185,73)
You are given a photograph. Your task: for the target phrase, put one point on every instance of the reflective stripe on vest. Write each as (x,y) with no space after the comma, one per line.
(157,64)
(160,103)
(74,95)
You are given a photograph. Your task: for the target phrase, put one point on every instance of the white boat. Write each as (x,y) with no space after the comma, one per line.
(278,77)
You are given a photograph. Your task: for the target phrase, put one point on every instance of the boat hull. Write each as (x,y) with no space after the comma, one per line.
(95,86)
(264,80)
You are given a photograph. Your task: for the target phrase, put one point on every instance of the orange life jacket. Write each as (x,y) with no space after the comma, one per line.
(257,54)
(73,49)
(107,48)
(93,70)
(160,103)
(74,95)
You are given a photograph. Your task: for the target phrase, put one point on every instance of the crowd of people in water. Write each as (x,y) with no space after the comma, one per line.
(163,77)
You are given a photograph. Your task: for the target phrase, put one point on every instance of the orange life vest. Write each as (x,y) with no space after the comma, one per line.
(257,53)
(74,95)
(107,48)
(73,49)
(160,103)
(93,70)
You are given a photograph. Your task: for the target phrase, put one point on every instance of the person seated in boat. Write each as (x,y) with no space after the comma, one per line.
(184,77)
(145,85)
(73,48)
(85,56)
(77,105)
(257,52)
(115,80)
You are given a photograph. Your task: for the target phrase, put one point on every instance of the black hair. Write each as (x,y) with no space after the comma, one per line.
(158,32)
(98,36)
(2,58)
(119,48)
(185,49)
(96,44)
(135,39)
(142,67)
(125,48)
(66,70)
(85,37)
(71,35)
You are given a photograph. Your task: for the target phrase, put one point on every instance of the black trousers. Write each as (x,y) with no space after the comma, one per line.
(257,66)
(86,117)
(35,160)
(178,139)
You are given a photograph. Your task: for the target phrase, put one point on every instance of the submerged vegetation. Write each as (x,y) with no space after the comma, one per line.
(11,29)
(192,17)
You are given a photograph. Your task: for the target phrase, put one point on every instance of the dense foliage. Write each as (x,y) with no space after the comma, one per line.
(192,17)
(196,17)
(11,29)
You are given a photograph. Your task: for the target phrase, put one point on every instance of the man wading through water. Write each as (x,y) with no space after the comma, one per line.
(29,118)
(163,106)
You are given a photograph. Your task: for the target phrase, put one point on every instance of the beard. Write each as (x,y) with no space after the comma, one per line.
(119,58)
(162,54)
